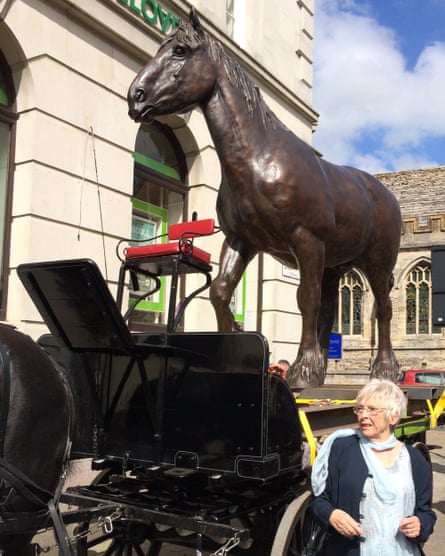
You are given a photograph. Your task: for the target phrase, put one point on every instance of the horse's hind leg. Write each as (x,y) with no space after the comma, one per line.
(385,364)
(234,258)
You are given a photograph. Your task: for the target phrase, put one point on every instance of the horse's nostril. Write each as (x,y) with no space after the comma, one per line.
(139,96)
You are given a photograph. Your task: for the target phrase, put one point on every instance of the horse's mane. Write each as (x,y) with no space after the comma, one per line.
(188,35)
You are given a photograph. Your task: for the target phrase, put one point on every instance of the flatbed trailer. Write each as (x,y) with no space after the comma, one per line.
(324,409)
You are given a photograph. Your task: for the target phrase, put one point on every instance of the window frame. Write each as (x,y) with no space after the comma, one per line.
(165,177)
(157,212)
(239,300)
(8,116)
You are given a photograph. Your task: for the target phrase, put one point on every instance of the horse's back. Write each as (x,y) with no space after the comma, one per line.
(346,181)
(342,178)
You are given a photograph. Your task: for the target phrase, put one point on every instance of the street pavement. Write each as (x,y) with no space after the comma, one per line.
(433,547)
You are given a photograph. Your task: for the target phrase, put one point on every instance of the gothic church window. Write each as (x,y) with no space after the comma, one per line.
(350,305)
(418,298)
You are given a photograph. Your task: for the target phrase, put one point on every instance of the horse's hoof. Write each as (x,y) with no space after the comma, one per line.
(387,368)
(308,371)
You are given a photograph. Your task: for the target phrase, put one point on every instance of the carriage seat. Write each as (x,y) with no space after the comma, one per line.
(160,258)
(179,255)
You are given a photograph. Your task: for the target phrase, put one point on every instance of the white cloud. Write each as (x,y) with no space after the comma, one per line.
(375,112)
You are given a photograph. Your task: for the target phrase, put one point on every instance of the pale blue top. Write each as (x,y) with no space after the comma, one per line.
(380,521)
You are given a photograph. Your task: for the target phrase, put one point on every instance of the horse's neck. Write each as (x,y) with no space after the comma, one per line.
(233,126)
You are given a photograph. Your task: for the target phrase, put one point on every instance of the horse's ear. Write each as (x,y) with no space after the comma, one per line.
(194,19)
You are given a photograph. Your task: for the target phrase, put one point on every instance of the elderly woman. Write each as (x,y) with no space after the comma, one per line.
(372,491)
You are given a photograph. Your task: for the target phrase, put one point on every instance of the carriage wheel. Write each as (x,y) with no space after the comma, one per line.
(298,533)
(127,538)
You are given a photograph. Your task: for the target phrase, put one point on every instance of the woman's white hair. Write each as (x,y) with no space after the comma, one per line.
(385,393)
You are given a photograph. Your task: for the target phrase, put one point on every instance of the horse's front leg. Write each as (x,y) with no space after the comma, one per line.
(234,257)
(309,367)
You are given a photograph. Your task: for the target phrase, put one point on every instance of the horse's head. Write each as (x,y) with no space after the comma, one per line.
(179,77)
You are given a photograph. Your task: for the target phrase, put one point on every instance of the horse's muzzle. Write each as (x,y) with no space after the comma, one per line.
(145,115)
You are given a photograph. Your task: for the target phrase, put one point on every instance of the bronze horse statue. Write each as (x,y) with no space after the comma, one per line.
(36,424)
(277,196)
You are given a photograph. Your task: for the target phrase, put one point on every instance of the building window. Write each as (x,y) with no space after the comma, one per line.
(350,301)
(419,300)
(4,164)
(159,199)
(230,17)
(7,121)
(238,302)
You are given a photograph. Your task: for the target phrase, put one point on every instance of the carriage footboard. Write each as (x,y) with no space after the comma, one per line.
(181,511)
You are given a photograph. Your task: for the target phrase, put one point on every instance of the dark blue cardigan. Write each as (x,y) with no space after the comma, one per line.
(346,461)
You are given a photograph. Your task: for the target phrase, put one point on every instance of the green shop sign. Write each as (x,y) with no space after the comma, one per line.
(153,13)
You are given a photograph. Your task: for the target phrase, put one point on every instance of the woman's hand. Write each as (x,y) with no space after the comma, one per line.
(410,526)
(345,524)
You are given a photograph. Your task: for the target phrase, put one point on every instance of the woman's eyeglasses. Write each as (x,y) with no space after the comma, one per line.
(372,411)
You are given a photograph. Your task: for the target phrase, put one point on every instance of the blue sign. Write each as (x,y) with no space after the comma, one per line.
(335,346)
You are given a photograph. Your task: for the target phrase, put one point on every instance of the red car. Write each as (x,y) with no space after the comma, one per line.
(421,377)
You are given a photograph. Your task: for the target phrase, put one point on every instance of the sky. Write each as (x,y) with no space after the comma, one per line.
(379,83)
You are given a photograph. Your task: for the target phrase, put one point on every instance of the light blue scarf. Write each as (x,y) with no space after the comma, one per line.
(383,485)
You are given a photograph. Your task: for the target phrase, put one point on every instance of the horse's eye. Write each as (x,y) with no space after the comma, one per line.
(179,50)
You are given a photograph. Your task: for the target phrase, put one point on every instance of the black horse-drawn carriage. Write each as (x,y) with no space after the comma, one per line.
(194,441)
